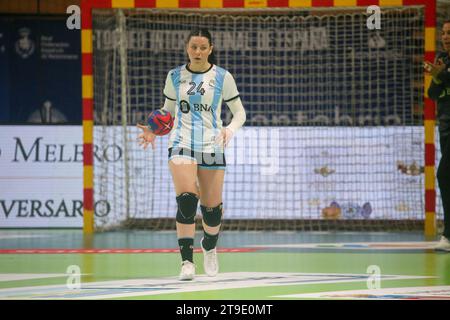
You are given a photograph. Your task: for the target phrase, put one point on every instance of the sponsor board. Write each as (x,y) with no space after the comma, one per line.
(168,285)
(41,175)
(411,293)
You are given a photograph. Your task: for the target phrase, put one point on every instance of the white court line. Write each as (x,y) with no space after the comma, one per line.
(9,235)
(418,245)
(386,294)
(168,285)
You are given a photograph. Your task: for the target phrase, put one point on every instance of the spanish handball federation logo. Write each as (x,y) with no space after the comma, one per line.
(2,46)
(24,46)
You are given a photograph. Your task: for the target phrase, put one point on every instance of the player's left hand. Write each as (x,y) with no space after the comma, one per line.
(146,137)
(224,137)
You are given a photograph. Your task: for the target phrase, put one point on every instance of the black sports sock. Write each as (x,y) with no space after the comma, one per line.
(186,249)
(209,241)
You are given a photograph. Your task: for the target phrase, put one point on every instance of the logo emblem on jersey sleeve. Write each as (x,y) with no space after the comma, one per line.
(184,106)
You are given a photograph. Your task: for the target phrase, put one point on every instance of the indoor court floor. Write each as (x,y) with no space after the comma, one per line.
(64,264)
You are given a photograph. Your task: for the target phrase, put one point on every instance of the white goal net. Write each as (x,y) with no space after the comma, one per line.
(334,115)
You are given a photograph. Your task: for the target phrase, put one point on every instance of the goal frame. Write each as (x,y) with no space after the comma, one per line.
(429,111)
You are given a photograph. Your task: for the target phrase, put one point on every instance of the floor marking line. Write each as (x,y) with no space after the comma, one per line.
(109,251)
(169,285)
(400,293)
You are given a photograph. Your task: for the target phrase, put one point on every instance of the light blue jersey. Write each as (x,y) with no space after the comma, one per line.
(198,99)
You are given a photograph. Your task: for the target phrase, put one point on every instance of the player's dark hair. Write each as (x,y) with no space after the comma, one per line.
(202,32)
(442,30)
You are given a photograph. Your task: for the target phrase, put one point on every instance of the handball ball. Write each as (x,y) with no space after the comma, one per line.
(160,122)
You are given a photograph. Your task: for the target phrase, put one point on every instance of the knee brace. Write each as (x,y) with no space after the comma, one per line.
(187,207)
(212,216)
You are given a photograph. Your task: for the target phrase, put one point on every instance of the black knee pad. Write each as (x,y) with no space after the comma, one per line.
(187,207)
(212,216)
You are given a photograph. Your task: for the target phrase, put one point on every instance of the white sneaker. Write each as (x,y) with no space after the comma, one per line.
(187,270)
(443,244)
(210,261)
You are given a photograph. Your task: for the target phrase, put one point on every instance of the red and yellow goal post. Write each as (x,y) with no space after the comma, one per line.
(87,79)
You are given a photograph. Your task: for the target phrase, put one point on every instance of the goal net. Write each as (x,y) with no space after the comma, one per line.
(334,134)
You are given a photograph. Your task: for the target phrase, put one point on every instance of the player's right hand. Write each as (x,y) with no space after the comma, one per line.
(146,137)
(434,69)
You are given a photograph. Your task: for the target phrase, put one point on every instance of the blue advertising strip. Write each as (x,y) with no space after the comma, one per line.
(4,71)
(44,70)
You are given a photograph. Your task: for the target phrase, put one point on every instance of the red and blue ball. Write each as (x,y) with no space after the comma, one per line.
(160,122)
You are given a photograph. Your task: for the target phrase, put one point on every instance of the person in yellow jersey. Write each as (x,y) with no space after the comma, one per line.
(194,93)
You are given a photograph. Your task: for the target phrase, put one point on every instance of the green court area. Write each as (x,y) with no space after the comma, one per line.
(62,264)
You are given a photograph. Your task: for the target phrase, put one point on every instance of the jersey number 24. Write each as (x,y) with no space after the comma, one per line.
(193,86)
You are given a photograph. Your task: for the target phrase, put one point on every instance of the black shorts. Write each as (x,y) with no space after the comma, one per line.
(211,161)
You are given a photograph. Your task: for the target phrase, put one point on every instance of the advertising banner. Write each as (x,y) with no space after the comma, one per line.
(369,173)
(41,176)
(40,70)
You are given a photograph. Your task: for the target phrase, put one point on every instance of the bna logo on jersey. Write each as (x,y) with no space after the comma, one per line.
(184,106)
(24,46)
